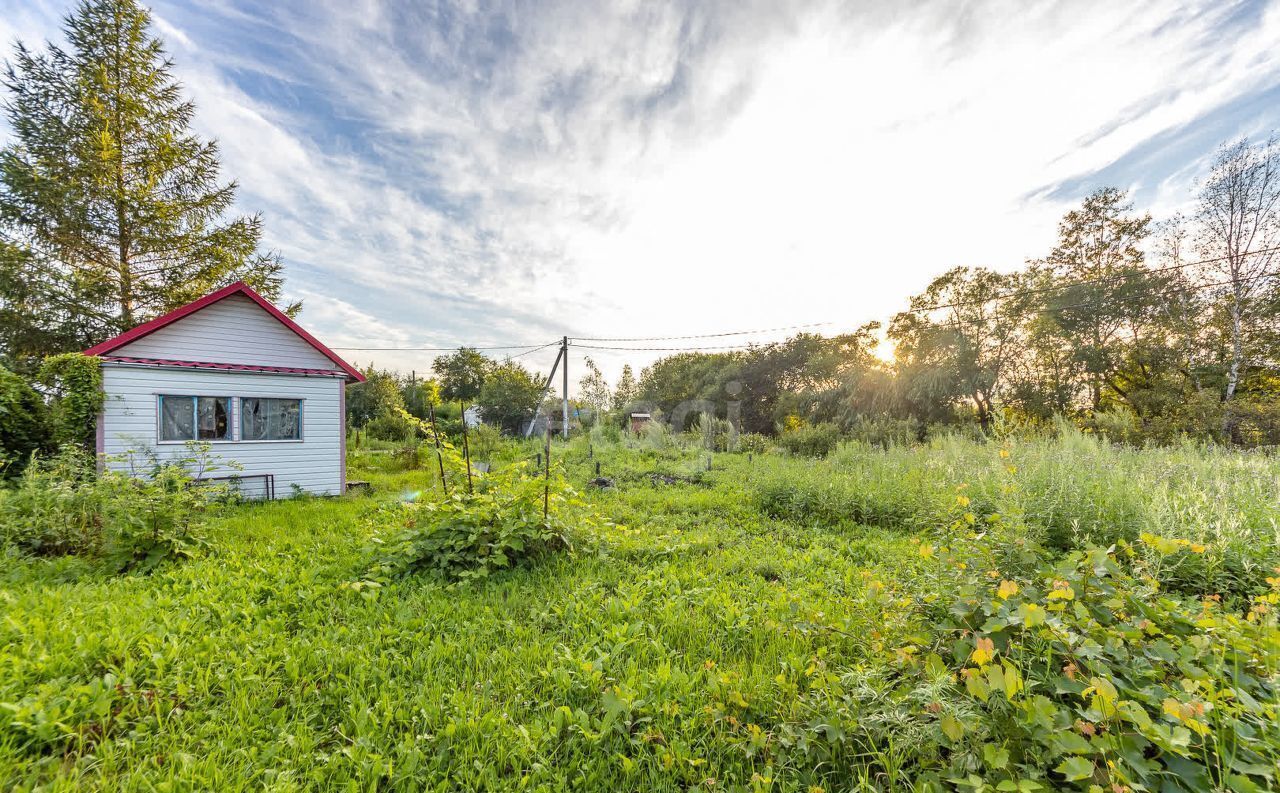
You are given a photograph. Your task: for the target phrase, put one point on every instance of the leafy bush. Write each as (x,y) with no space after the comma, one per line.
(484,440)
(62,506)
(392,427)
(472,534)
(810,440)
(1118,425)
(753,443)
(1084,676)
(884,431)
(606,432)
(57,506)
(24,427)
(153,520)
(712,434)
(75,383)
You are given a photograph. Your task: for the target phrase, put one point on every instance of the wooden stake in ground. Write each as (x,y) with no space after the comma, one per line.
(546,479)
(439,454)
(466,448)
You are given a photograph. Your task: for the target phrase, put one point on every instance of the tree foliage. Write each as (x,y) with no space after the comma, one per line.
(113,209)
(1120,327)
(379,395)
(24,428)
(1239,230)
(74,382)
(509,396)
(593,389)
(462,374)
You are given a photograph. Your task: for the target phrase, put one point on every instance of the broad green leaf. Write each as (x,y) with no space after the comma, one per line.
(1075,768)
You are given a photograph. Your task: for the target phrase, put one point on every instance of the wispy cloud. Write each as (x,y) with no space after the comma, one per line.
(514,171)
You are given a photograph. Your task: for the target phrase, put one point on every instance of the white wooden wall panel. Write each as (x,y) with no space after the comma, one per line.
(314,463)
(233,330)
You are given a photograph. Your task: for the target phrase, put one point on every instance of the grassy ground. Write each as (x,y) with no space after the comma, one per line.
(665,653)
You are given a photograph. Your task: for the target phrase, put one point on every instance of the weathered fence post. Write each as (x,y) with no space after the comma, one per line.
(546,480)
(439,455)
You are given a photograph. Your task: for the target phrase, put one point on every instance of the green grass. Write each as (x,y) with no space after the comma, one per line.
(654,657)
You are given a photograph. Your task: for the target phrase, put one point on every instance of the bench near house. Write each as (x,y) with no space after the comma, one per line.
(233,370)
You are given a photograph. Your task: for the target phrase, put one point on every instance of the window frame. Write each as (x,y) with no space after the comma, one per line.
(234,418)
(302,423)
(232,409)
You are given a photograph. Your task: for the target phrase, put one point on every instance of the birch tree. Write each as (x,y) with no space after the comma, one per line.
(1239,230)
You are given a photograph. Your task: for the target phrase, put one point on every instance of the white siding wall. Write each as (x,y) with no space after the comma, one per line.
(233,330)
(314,463)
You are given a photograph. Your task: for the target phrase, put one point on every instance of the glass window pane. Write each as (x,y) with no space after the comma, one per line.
(284,419)
(253,419)
(270,419)
(177,418)
(213,416)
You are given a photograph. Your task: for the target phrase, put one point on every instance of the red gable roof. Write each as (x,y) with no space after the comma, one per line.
(238,288)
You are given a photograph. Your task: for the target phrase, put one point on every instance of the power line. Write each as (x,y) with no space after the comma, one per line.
(531,351)
(573,343)
(446,349)
(705,335)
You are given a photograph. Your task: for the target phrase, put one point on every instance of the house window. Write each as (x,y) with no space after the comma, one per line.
(195,418)
(270,419)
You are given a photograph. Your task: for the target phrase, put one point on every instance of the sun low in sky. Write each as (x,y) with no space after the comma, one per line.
(508,173)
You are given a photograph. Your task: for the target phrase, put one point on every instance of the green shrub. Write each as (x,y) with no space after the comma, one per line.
(484,440)
(57,506)
(75,384)
(810,440)
(884,431)
(753,443)
(472,534)
(392,427)
(606,431)
(63,506)
(1084,676)
(24,424)
(156,519)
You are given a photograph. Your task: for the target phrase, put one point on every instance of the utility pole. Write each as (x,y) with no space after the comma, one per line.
(564,350)
(551,378)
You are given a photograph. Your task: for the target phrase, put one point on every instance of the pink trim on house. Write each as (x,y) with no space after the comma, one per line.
(238,288)
(342,449)
(230,367)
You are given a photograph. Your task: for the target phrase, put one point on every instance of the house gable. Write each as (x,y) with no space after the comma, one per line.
(233,326)
(233,330)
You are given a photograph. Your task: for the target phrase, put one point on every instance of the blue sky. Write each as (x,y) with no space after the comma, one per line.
(491,173)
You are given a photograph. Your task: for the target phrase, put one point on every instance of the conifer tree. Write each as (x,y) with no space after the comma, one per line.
(117,207)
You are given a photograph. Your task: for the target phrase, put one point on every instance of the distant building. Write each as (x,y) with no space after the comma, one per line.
(232,370)
(639,420)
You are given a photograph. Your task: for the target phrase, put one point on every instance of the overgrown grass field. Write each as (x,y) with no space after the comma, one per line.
(768,624)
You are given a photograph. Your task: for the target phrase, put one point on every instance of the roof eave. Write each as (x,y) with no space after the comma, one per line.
(239,287)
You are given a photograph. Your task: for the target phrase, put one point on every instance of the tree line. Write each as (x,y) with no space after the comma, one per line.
(1146,330)
(505,393)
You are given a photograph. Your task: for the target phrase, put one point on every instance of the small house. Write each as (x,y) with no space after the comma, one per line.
(639,420)
(232,370)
